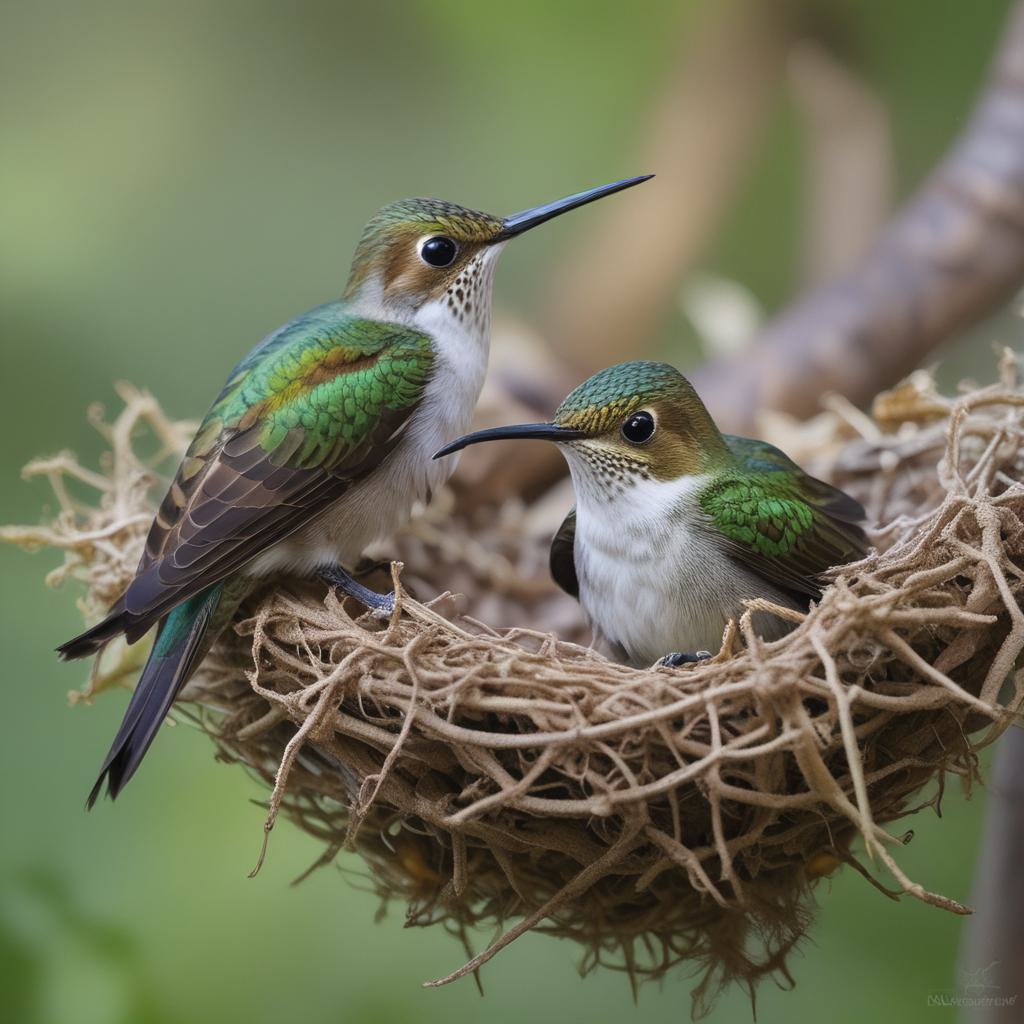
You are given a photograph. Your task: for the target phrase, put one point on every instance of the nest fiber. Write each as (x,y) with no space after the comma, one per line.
(508,778)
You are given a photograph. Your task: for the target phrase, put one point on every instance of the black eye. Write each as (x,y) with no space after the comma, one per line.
(438,251)
(639,428)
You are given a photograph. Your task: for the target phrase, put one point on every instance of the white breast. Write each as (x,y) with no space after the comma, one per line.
(651,579)
(378,505)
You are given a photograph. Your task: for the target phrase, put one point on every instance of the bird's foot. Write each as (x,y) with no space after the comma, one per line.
(677,658)
(382,605)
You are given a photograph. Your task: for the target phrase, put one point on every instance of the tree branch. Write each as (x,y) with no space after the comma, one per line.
(953,254)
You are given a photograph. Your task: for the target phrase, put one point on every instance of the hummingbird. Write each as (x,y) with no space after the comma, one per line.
(318,444)
(677,524)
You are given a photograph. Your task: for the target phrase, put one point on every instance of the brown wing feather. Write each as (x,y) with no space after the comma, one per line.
(236,504)
(311,410)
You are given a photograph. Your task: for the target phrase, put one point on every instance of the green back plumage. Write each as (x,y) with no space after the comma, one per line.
(778,520)
(319,386)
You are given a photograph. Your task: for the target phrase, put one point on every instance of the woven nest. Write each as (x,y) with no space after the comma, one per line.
(509,778)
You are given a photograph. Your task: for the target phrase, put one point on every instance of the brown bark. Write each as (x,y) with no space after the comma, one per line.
(953,254)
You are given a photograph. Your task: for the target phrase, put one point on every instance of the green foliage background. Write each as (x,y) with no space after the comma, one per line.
(177,178)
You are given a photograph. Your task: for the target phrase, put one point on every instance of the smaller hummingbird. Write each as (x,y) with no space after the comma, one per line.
(677,524)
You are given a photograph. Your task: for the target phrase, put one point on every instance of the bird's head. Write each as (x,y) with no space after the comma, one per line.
(635,421)
(419,251)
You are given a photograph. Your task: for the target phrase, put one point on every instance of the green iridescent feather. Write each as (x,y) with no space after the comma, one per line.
(612,394)
(761,516)
(785,524)
(328,376)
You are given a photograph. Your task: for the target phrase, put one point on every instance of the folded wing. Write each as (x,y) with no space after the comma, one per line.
(783,524)
(316,407)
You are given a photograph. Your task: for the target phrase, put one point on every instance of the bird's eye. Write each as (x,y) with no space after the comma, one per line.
(438,251)
(639,428)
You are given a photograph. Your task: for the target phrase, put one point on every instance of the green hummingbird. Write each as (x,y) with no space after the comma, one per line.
(677,524)
(318,444)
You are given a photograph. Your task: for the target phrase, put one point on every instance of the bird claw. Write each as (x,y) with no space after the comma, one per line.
(677,658)
(381,606)
(385,608)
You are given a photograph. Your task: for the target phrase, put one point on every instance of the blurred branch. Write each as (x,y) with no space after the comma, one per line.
(617,289)
(848,161)
(954,253)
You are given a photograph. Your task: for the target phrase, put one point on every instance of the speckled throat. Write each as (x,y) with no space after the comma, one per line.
(606,472)
(468,298)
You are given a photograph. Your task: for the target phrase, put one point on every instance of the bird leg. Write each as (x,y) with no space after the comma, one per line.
(382,605)
(677,658)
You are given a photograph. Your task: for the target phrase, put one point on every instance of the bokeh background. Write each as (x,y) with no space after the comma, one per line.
(178,178)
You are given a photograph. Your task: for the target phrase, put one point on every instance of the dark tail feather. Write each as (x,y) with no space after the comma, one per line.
(176,651)
(93,639)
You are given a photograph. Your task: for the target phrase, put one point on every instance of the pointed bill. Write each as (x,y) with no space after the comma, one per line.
(530,431)
(520,222)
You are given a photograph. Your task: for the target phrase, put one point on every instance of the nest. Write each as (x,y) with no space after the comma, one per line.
(513,779)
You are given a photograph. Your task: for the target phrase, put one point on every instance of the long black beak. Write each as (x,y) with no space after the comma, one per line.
(534,431)
(520,222)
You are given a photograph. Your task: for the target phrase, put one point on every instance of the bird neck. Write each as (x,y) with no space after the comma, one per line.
(614,516)
(458,323)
